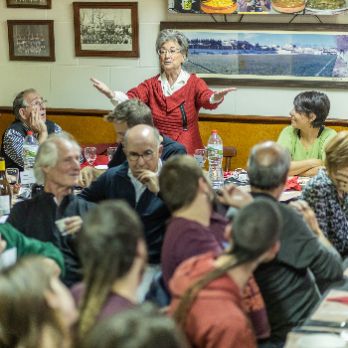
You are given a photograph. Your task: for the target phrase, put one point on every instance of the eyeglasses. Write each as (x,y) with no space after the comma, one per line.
(171,52)
(147,156)
(39,102)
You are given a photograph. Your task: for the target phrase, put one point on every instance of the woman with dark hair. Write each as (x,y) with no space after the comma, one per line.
(113,255)
(307,136)
(141,327)
(204,284)
(37,311)
(174,96)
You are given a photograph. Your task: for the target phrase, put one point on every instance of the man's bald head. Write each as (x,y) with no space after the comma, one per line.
(268,165)
(142,134)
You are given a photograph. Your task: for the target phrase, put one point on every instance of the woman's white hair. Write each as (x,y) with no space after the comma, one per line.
(48,153)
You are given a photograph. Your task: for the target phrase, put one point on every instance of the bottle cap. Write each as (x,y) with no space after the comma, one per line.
(29,132)
(214,131)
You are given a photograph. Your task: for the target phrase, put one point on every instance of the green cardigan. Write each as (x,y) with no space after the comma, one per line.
(30,246)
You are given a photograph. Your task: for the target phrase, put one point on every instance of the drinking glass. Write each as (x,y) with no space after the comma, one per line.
(200,156)
(110,152)
(90,153)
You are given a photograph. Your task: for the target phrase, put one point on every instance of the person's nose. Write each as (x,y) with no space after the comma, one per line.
(141,161)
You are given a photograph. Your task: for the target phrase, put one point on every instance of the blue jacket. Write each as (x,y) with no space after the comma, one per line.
(116,184)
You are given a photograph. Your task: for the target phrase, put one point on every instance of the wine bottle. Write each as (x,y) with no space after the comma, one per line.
(5,190)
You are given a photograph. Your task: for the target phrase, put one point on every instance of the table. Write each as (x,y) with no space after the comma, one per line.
(329,318)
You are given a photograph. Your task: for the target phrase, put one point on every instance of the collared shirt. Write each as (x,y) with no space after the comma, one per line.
(139,187)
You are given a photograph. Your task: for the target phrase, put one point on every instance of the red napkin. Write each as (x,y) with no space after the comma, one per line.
(292,184)
(101,159)
(341,299)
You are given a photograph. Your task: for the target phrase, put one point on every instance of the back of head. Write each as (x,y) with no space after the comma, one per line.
(337,152)
(131,111)
(107,248)
(142,327)
(256,228)
(24,310)
(48,153)
(19,102)
(313,102)
(178,181)
(268,165)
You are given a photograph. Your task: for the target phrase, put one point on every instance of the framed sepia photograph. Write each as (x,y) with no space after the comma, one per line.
(106,29)
(29,3)
(31,40)
(255,54)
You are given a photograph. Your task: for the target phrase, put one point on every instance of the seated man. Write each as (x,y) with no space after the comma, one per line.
(57,167)
(127,115)
(12,238)
(136,181)
(287,283)
(195,228)
(30,114)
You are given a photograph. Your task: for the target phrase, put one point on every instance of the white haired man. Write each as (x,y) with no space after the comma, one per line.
(57,167)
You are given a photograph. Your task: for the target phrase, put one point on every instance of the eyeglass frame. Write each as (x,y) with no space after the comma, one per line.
(134,157)
(170,52)
(37,103)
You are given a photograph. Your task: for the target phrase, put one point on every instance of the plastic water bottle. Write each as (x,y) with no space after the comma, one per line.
(30,148)
(215,156)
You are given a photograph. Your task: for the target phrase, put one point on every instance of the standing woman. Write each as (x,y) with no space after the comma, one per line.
(174,96)
(307,136)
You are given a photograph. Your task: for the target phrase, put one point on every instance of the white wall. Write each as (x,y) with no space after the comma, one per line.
(65,83)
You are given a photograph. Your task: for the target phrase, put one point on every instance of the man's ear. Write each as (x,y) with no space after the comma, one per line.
(22,114)
(160,150)
(312,116)
(271,253)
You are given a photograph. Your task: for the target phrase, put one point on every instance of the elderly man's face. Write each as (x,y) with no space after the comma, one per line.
(143,155)
(67,169)
(34,101)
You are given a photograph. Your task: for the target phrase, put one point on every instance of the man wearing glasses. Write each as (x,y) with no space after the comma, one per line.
(136,181)
(30,114)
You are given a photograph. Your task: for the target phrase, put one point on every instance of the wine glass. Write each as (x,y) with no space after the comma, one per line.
(110,152)
(200,156)
(90,153)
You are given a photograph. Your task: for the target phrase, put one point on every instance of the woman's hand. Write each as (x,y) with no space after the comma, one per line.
(103,88)
(218,95)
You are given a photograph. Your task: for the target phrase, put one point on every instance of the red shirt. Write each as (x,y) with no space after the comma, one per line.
(216,318)
(166,112)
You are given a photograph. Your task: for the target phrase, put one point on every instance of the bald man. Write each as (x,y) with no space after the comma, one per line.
(287,284)
(136,181)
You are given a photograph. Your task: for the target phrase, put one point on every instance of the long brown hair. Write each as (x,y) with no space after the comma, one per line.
(255,229)
(107,248)
(24,310)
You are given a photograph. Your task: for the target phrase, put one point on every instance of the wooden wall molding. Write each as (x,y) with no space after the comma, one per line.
(202,117)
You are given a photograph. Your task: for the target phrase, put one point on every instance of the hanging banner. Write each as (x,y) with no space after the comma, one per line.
(314,7)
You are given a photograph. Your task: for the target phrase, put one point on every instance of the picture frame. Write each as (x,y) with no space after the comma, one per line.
(31,40)
(40,4)
(106,29)
(257,54)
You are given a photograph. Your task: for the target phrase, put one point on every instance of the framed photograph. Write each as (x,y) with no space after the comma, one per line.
(106,29)
(253,54)
(29,3)
(31,40)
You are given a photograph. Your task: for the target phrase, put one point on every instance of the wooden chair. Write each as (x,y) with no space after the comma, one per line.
(229,152)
